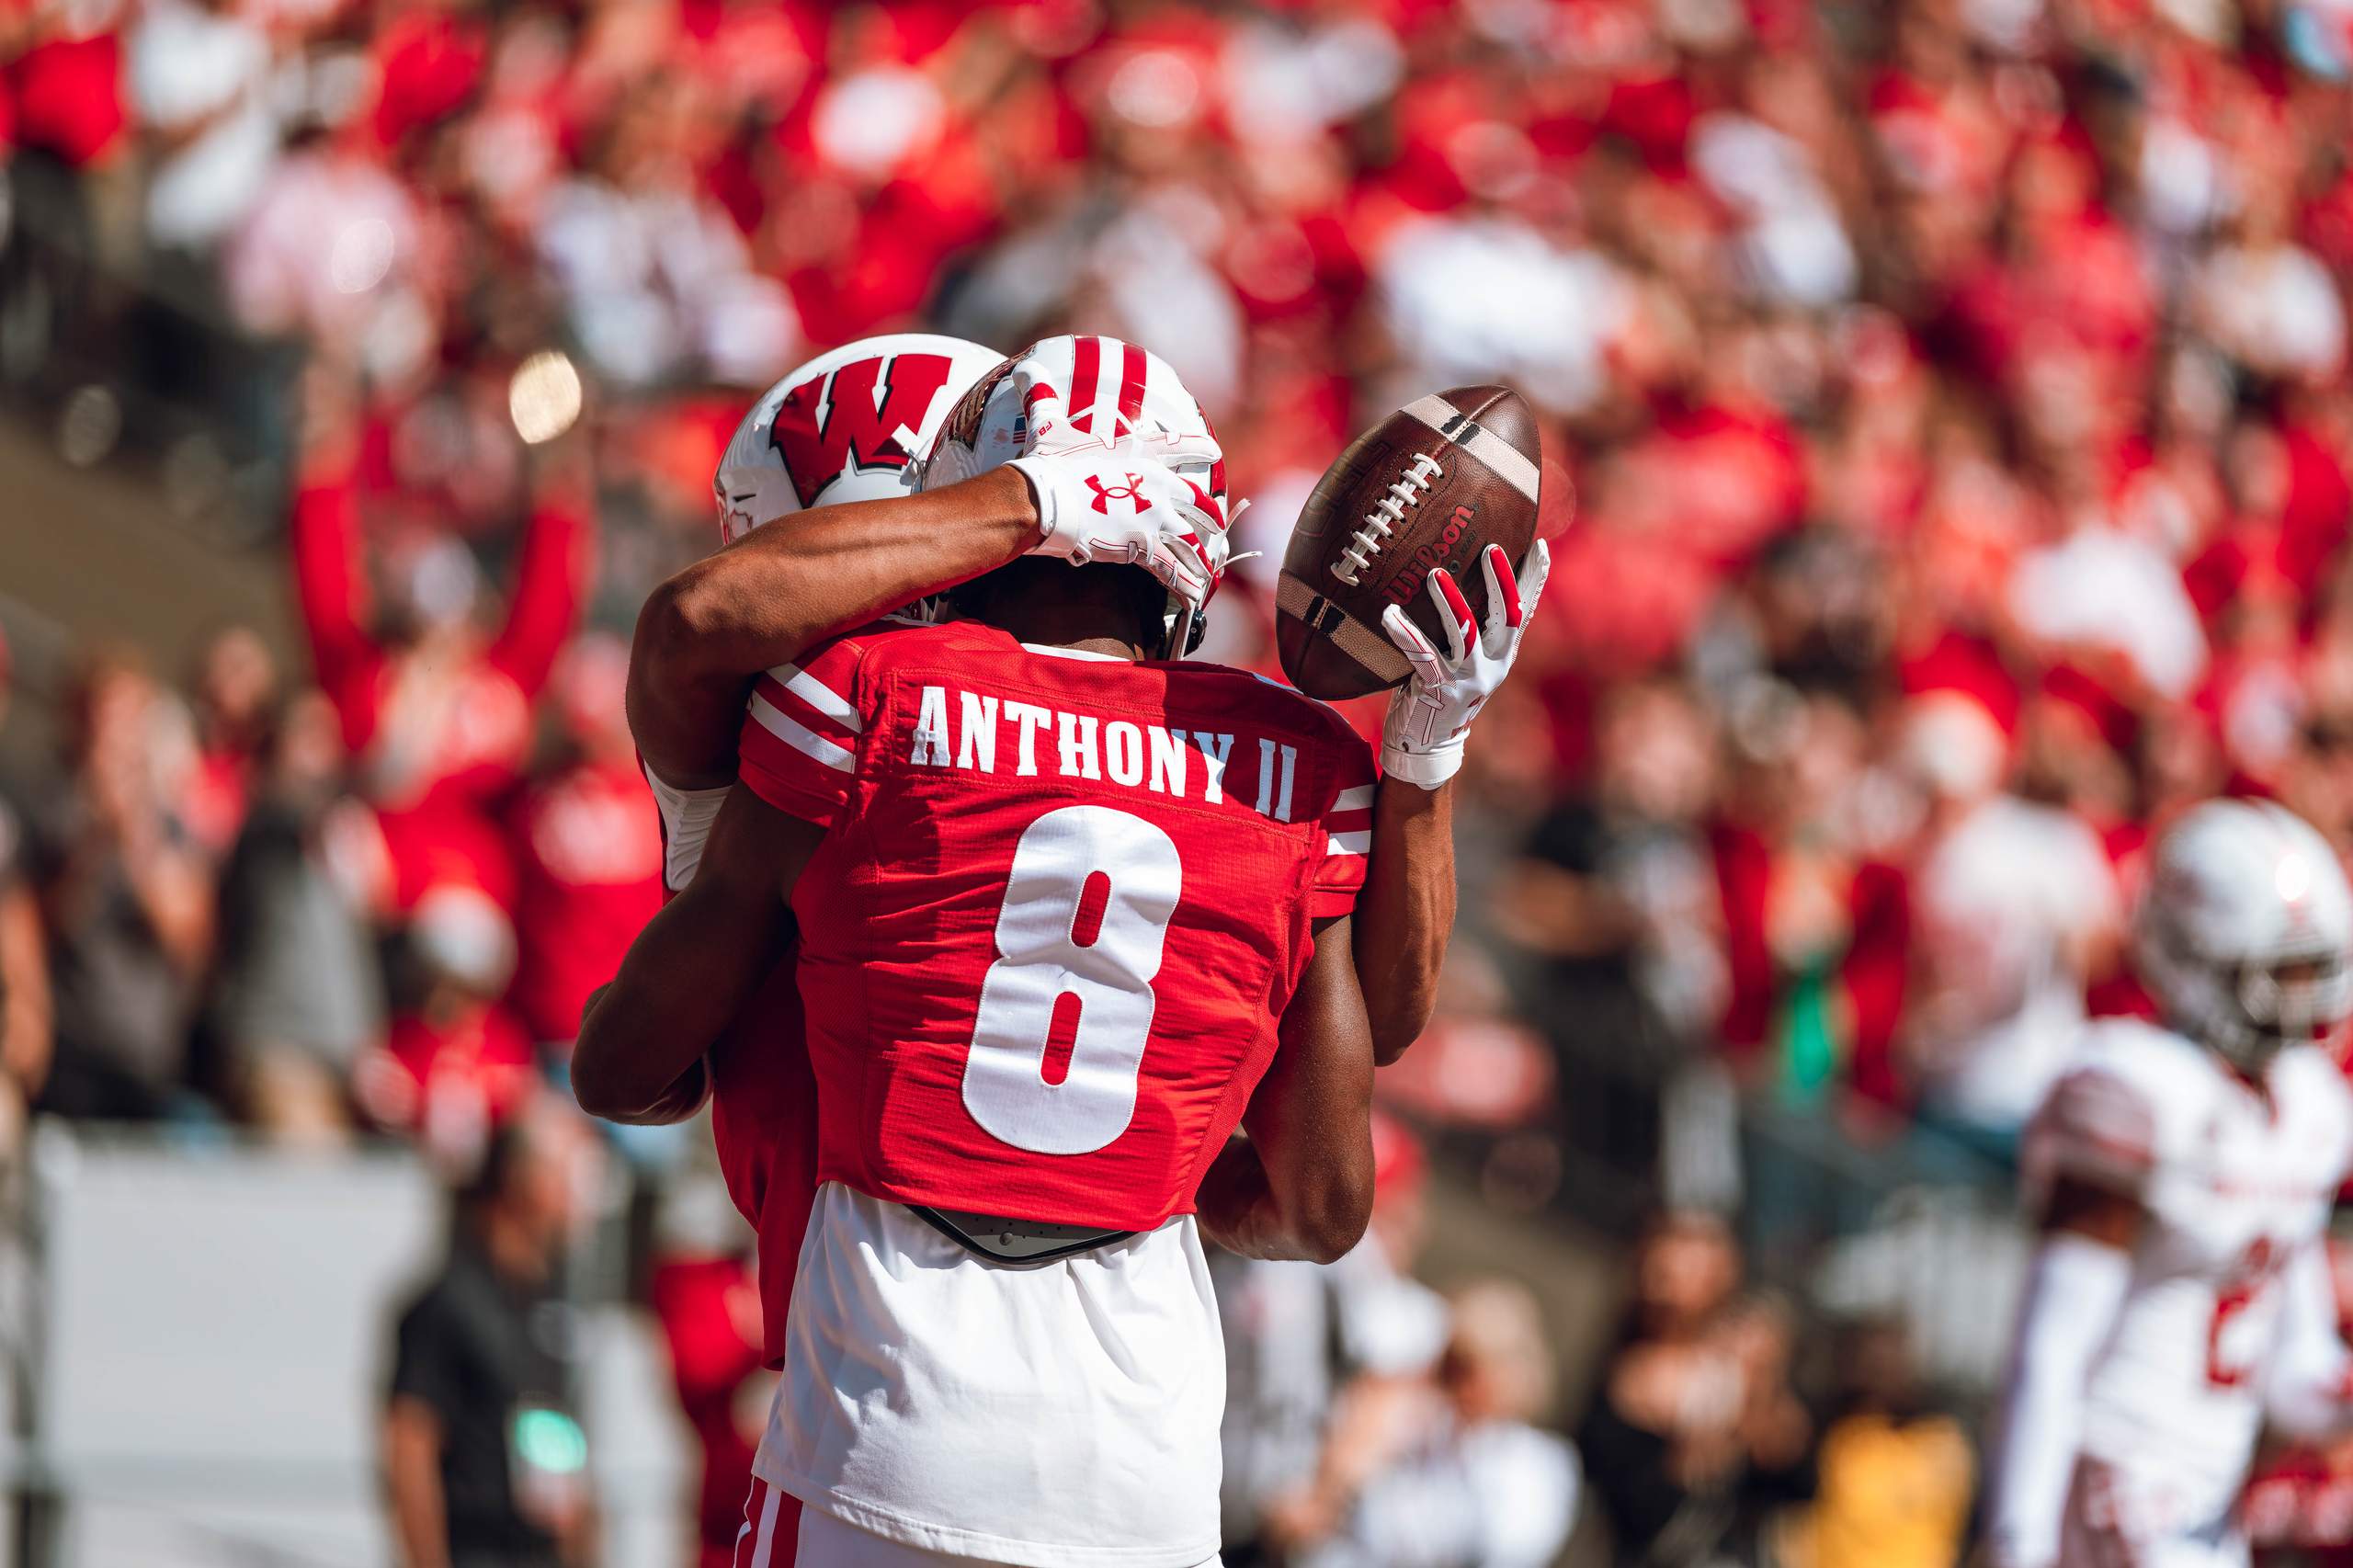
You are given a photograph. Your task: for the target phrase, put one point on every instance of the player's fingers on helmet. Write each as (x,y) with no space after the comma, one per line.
(1453,613)
(1041,378)
(1180,572)
(1198,528)
(1418,649)
(1178,449)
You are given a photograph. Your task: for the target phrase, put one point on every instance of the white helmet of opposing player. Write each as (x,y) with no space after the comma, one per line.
(830,430)
(2243,930)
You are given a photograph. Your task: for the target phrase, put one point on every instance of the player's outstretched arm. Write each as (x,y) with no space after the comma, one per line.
(785,586)
(1302,1186)
(1406,911)
(2075,1288)
(693,967)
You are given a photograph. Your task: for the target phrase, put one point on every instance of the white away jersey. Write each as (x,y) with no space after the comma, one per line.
(2234,1181)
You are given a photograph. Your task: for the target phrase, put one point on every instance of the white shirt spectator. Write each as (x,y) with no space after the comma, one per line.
(878,121)
(651,279)
(2002,900)
(2102,586)
(1791,245)
(1497,1494)
(1480,298)
(1287,84)
(1161,292)
(199,77)
(2276,308)
(1294,1333)
(2184,185)
(328,250)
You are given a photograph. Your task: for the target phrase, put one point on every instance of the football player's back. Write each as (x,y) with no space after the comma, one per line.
(1059,906)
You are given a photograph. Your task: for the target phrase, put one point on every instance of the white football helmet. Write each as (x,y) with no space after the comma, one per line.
(2243,930)
(829,431)
(1079,395)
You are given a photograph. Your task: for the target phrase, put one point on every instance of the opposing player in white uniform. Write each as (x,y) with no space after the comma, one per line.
(2180,1298)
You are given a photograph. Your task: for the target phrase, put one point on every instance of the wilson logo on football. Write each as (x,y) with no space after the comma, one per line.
(1435,554)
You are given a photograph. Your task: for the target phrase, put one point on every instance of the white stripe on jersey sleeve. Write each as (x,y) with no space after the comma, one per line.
(799,736)
(818,695)
(1357,843)
(1357,800)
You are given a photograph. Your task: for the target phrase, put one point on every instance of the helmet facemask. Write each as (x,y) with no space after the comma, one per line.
(2250,1011)
(2295,1000)
(2243,930)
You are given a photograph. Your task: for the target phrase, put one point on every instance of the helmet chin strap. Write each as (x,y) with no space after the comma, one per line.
(1180,632)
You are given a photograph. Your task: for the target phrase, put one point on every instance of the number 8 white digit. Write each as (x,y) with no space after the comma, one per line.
(1040,960)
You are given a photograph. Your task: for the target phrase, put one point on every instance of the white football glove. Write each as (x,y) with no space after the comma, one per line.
(1124,466)
(1421,741)
(1121,508)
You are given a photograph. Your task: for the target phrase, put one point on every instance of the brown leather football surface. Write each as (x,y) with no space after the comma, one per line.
(1431,485)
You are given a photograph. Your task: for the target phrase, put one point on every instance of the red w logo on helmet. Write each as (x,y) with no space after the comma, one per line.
(855,429)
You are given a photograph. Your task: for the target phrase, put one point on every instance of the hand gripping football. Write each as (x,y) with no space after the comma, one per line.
(1431,485)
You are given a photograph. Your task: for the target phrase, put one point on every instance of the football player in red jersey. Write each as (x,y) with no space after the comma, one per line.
(839,429)
(764,601)
(836,431)
(1058,901)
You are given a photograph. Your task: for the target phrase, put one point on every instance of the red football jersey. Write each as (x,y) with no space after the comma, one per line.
(1061,905)
(764,1127)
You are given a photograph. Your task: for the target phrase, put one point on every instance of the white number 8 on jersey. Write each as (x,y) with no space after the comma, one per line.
(1041,960)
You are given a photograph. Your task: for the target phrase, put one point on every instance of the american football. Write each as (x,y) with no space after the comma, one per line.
(1430,486)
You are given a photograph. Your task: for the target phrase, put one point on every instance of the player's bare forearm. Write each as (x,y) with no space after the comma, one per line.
(1238,1210)
(762,601)
(1301,1187)
(675,991)
(695,965)
(1406,913)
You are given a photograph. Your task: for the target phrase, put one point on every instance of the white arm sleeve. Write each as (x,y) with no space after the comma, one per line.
(686,816)
(2309,1392)
(2074,1290)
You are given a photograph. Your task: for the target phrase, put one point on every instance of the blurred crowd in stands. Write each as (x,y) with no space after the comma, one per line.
(1951,393)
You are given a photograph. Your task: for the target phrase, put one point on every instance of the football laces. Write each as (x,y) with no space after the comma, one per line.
(1382,520)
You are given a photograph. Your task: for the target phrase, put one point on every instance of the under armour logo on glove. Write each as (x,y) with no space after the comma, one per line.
(1160,526)
(1106,494)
